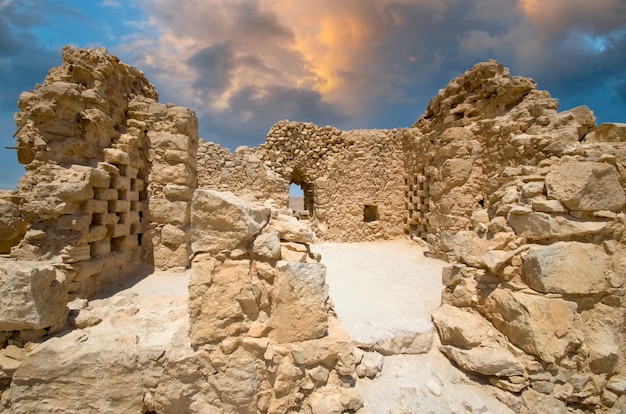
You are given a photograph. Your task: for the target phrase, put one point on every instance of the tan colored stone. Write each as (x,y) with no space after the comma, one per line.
(486,361)
(300,297)
(463,329)
(540,326)
(566,267)
(587,186)
(32,295)
(221,221)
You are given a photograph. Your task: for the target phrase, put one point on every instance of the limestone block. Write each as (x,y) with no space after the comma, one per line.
(73,254)
(455,172)
(291,229)
(168,141)
(77,222)
(172,236)
(566,267)
(587,186)
(299,303)
(222,221)
(11,223)
(537,226)
(267,246)
(463,329)
(293,252)
(178,174)
(176,192)
(406,342)
(600,327)
(609,132)
(161,210)
(498,362)
(540,326)
(116,156)
(214,312)
(82,367)
(32,295)
(120,183)
(96,206)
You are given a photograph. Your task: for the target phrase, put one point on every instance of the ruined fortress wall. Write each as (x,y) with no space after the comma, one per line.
(243,173)
(106,169)
(527,205)
(353,181)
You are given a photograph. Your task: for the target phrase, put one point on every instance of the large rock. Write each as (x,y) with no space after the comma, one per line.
(32,295)
(70,374)
(601,329)
(540,326)
(566,267)
(541,226)
(222,221)
(463,329)
(609,132)
(497,362)
(291,229)
(11,225)
(217,292)
(587,186)
(300,295)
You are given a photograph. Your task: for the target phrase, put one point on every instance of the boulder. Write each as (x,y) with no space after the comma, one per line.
(299,305)
(586,186)
(566,267)
(541,226)
(291,229)
(463,329)
(69,374)
(267,246)
(497,362)
(540,326)
(600,327)
(32,295)
(222,221)
(215,290)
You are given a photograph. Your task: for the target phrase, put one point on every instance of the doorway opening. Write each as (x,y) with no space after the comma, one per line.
(301,195)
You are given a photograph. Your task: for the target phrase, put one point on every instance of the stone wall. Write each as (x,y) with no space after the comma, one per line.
(527,205)
(353,181)
(109,176)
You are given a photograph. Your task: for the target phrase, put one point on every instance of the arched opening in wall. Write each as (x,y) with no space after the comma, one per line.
(301,195)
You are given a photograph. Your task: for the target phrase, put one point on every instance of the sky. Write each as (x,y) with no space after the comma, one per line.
(243,65)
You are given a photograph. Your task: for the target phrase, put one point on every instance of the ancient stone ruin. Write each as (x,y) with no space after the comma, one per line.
(525,203)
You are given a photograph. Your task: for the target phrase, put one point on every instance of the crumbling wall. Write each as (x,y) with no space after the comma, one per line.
(261,323)
(353,181)
(531,218)
(243,173)
(109,175)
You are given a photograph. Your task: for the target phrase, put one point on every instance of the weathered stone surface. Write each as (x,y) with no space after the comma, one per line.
(566,267)
(536,402)
(405,342)
(32,295)
(486,361)
(463,329)
(73,378)
(267,245)
(587,186)
(600,327)
(540,326)
(221,221)
(214,310)
(609,132)
(300,297)
(540,226)
(291,229)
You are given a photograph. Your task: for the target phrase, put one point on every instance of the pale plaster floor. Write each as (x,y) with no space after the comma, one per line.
(383,287)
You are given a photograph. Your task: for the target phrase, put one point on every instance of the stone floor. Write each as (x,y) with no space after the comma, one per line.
(386,288)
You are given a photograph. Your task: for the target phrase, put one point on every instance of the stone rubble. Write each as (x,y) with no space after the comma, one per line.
(525,203)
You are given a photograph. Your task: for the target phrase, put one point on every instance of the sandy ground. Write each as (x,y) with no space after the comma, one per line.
(382,287)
